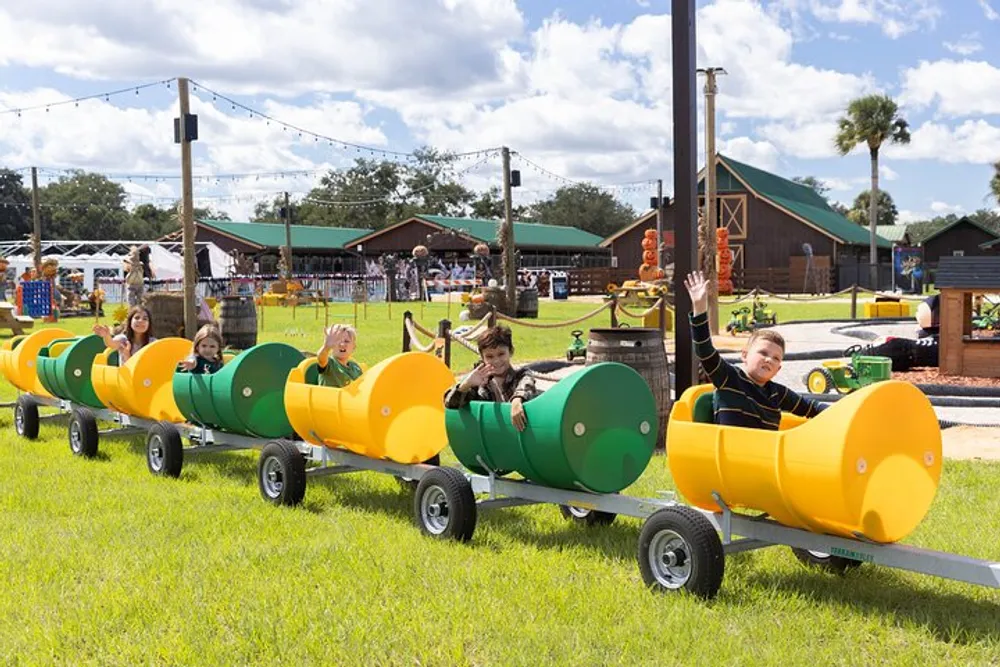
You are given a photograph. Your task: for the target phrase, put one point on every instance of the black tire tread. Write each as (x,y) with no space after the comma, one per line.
(29,413)
(90,439)
(173,449)
(837,565)
(461,503)
(293,467)
(708,559)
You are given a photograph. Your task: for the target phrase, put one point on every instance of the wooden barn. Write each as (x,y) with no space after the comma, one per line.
(452,239)
(314,249)
(962,238)
(770,220)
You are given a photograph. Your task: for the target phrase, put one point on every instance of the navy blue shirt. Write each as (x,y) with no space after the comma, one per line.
(739,401)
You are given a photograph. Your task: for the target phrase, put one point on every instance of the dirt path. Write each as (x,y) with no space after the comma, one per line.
(971,442)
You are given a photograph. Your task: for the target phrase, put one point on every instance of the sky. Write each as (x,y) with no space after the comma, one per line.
(580,90)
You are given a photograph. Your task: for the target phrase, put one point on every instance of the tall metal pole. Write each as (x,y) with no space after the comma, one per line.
(36,237)
(288,238)
(507,236)
(708,259)
(187,213)
(685,183)
(659,222)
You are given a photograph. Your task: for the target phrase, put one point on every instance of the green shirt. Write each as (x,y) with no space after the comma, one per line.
(336,374)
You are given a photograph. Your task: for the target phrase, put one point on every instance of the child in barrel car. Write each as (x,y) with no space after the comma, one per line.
(750,397)
(494,378)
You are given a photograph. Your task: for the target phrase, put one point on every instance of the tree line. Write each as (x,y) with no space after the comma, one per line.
(370,194)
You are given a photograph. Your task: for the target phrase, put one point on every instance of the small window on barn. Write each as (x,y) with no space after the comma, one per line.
(958,253)
(614,261)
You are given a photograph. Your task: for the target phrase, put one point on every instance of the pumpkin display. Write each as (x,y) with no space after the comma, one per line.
(648,244)
(725,254)
(420,251)
(650,269)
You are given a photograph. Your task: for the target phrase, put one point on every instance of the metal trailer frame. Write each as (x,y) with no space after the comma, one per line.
(679,548)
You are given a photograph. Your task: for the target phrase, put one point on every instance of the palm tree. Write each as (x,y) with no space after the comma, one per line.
(995,182)
(871,120)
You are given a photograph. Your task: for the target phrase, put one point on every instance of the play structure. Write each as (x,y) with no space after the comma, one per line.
(840,489)
(842,377)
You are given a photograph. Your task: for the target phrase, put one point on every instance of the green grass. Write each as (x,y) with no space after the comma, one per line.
(105,564)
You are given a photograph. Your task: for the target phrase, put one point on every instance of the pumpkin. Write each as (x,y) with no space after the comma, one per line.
(649,257)
(650,234)
(648,244)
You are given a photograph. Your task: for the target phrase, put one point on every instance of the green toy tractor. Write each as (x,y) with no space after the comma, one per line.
(577,348)
(843,377)
(744,319)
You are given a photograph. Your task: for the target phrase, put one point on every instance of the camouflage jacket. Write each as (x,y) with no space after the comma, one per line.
(516,383)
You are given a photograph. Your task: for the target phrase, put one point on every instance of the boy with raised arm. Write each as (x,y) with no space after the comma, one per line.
(744,397)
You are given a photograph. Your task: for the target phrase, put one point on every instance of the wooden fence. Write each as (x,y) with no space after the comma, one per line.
(595,280)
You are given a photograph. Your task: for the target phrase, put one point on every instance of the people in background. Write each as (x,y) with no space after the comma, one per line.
(929,317)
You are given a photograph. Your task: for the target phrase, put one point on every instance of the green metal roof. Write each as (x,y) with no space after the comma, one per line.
(802,201)
(273,236)
(892,233)
(941,230)
(525,233)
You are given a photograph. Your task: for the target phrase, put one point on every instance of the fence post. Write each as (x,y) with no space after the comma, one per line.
(663,317)
(614,311)
(854,301)
(444,331)
(407,316)
(492,321)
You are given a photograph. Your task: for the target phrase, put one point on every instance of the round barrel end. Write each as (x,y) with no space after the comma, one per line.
(894,460)
(609,426)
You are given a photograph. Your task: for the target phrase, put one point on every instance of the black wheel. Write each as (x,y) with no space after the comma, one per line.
(824,561)
(587,517)
(820,381)
(569,356)
(444,505)
(164,450)
(26,417)
(680,550)
(281,473)
(409,484)
(83,436)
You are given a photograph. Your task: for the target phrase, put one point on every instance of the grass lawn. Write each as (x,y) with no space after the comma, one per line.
(105,564)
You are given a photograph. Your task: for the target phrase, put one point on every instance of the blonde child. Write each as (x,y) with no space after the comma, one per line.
(206,352)
(336,368)
(137,334)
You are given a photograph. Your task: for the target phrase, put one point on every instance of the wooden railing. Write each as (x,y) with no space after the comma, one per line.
(783,281)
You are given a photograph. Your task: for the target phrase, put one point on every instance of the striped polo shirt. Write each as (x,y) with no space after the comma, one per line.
(738,400)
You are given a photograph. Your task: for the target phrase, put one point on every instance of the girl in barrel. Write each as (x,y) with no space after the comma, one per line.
(206,352)
(137,334)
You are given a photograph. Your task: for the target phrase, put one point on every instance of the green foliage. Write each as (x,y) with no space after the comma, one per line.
(995,182)
(585,206)
(922,229)
(83,206)
(15,206)
(871,120)
(819,186)
(887,213)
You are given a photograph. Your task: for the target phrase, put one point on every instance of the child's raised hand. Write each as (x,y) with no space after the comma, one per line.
(697,288)
(333,335)
(188,363)
(102,330)
(479,376)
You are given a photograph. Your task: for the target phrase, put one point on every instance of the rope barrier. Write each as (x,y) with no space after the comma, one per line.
(555,325)
(414,341)
(466,344)
(643,314)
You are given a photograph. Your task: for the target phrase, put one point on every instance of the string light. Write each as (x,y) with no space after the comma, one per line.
(629,186)
(76,101)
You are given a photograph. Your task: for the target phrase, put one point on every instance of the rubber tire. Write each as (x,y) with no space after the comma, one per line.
(588,518)
(837,565)
(85,424)
(708,560)
(408,484)
(460,504)
(172,445)
(293,471)
(29,420)
(827,375)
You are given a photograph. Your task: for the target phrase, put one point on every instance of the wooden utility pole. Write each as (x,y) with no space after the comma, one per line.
(187,212)
(659,222)
(682,29)
(507,236)
(36,237)
(710,223)
(288,238)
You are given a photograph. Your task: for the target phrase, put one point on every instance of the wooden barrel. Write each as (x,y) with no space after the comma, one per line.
(527,302)
(166,309)
(497,297)
(642,350)
(238,322)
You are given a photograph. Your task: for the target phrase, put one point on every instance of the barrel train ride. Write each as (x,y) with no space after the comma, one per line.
(839,489)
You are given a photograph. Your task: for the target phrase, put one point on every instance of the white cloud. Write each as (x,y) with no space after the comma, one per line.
(973,141)
(990,13)
(941,208)
(960,88)
(895,18)
(808,140)
(965,45)
(761,154)
(267,45)
(887,174)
